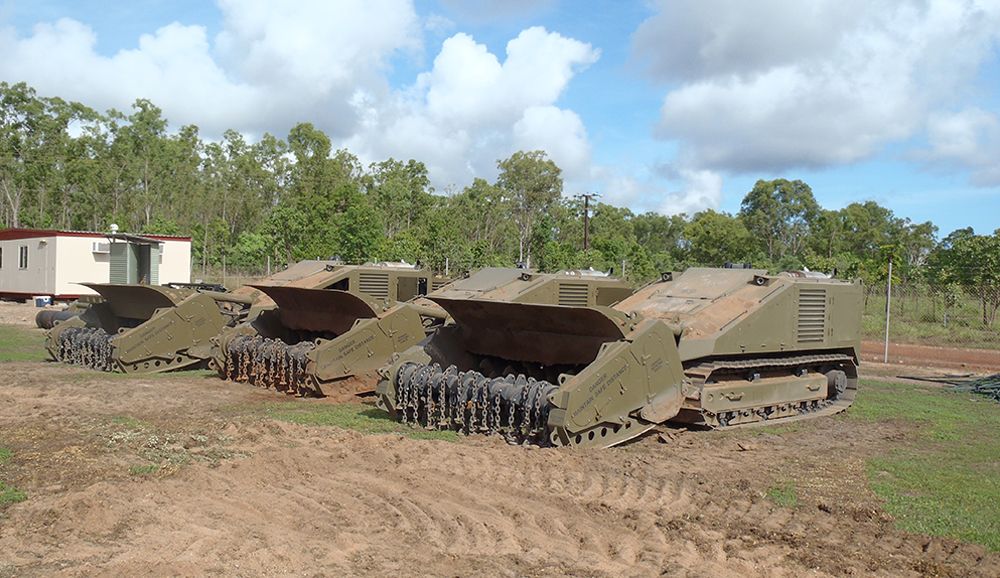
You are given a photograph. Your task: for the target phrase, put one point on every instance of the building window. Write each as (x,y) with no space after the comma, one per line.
(22,257)
(1,257)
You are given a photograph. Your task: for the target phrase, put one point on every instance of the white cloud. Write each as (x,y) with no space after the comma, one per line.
(558,132)
(471,109)
(666,190)
(60,59)
(313,43)
(720,37)
(269,67)
(780,85)
(327,63)
(969,139)
(702,189)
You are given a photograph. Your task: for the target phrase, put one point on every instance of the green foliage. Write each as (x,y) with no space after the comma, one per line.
(359,233)
(925,314)
(946,482)
(715,238)
(533,184)
(11,495)
(784,494)
(354,416)
(129,422)
(143,470)
(972,263)
(251,249)
(779,215)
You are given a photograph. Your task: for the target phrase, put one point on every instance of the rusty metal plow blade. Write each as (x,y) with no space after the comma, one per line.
(544,334)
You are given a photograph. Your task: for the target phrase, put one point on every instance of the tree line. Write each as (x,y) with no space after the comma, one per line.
(65,165)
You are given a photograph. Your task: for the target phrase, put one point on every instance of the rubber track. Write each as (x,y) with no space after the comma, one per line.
(807,410)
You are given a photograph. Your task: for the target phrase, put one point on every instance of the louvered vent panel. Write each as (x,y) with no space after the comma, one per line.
(438,283)
(374,284)
(573,294)
(812,315)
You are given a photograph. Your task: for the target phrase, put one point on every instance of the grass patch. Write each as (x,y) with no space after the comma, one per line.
(128,422)
(947,481)
(21,344)
(784,494)
(919,318)
(942,414)
(145,470)
(11,495)
(354,416)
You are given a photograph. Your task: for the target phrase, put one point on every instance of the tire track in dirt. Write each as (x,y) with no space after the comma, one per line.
(344,503)
(333,502)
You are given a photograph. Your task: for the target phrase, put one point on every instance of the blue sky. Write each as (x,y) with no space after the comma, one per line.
(664,105)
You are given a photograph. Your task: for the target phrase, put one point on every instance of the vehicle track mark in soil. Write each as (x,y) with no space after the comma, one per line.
(383,505)
(319,499)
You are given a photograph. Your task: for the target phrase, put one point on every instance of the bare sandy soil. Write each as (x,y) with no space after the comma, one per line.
(243,494)
(15,313)
(929,355)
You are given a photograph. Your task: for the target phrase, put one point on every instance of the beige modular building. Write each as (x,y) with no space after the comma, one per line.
(38,262)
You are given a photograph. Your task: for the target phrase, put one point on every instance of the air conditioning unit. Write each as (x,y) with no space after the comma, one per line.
(99,247)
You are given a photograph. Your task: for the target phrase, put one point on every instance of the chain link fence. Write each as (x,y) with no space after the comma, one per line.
(231,278)
(927,314)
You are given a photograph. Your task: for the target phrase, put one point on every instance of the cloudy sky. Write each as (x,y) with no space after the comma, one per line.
(664,105)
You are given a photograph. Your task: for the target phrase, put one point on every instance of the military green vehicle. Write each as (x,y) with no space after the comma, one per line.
(345,326)
(49,318)
(716,347)
(315,340)
(152,328)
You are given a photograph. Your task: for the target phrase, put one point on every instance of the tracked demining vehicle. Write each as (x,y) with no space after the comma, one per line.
(315,340)
(716,347)
(154,328)
(316,334)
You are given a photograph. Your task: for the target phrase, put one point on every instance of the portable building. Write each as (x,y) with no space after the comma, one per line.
(36,262)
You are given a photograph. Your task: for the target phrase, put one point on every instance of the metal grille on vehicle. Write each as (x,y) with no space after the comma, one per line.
(573,294)
(812,315)
(374,284)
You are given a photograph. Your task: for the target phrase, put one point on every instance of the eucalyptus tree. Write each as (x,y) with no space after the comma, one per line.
(532,183)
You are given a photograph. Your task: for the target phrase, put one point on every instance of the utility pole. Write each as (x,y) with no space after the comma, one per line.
(586,217)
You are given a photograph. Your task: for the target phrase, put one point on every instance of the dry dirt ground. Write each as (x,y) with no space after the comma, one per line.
(14,313)
(240,493)
(930,355)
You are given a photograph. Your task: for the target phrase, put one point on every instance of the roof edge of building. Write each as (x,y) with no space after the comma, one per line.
(12,234)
